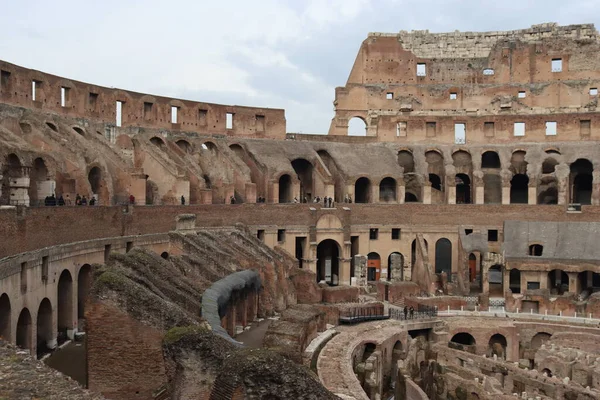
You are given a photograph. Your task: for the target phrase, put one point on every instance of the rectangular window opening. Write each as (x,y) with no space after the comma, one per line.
(585,127)
(453,96)
(174,114)
(64,96)
(395,233)
(281,235)
(557,65)
(522,94)
(148,110)
(533,285)
(430,128)
(128,247)
(421,69)
(389,96)
(488,129)
(492,235)
(93,100)
(260,123)
(460,133)
(202,117)
(119,113)
(107,248)
(299,251)
(401,128)
(593,91)
(468,231)
(260,234)
(373,234)
(45,264)
(550,128)
(35,87)
(229,121)
(519,129)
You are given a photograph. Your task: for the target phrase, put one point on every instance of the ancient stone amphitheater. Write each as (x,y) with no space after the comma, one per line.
(156,248)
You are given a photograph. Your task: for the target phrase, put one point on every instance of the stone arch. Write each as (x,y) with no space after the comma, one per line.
(443,257)
(329,222)
(45,331)
(406,160)
(285,188)
(518,165)
(463,338)
(38,189)
(462,161)
(519,189)
(98,184)
(369,349)
(536,249)
(497,346)
(549,165)
(490,160)
(539,339)
(357,126)
(65,303)
(209,146)
(305,171)
(184,145)
(472,267)
(580,181)
(84,283)
(397,355)
(410,197)
(158,142)
(328,261)
(387,190)
(24,330)
(463,189)
(5,318)
(436,182)
(362,190)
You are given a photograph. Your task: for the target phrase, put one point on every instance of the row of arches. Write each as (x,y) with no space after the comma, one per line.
(42,182)
(65,317)
(497,344)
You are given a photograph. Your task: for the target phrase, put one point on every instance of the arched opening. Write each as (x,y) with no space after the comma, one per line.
(362,190)
(558,282)
(519,189)
(24,339)
(95,180)
(436,173)
(436,182)
(536,250)
(589,282)
(464,338)
(158,142)
(387,190)
(490,160)
(547,372)
(328,261)
(390,270)
(443,257)
(84,283)
(151,193)
(463,189)
(518,165)
(515,280)
(79,130)
(357,127)
(304,170)
(496,281)
(397,355)
(373,266)
(38,188)
(5,318)
(406,161)
(497,346)
(472,267)
(369,350)
(285,189)
(45,333)
(184,145)
(549,165)
(539,339)
(548,190)
(410,198)
(52,126)
(65,305)
(164,255)
(580,179)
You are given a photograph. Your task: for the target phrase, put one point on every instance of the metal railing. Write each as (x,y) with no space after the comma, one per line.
(406,314)
(579,318)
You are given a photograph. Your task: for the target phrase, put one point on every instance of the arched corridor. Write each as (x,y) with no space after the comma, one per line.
(84,282)
(362,190)
(24,330)
(328,262)
(285,189)
(95,180)
(65,304)
(443,257)
(387,190)
(45,333)
(463,338)
(304,171)
(580,181)
(463,189)
(497,346)
(5,317)
(519,189)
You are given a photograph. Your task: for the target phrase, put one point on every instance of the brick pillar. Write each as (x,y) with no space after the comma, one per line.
(595,187)
(231,314)
(426,192)
(251,306)
(574,285)
(374,193)
(400,191)
(241,309)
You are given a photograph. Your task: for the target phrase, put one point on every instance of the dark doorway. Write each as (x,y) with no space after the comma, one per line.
(362,190)
(304,170)
(285,189)
(328,258)
(519,189)
(443,257)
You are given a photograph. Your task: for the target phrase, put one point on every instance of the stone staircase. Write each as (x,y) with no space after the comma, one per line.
(223,389)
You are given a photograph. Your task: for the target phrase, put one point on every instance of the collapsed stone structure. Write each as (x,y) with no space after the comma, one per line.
(475,187)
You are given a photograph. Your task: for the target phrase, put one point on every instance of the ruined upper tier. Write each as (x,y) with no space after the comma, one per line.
(29,88)
(499,86)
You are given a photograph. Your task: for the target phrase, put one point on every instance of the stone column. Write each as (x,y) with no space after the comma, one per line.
(427,192)
(400,191)
(310,262)
(532,190)
(505,192)
(295,191)
(273,192)
(595,186)
(344,278)
(397,268)
(374,193)
(574,285)
(360,270)
(479,189)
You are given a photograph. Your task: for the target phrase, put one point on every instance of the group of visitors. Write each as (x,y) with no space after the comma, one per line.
(347,199)
(409,312)
(232,199)
(66,201)
(261,199)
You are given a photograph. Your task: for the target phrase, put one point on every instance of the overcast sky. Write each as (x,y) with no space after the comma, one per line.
(272,53)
